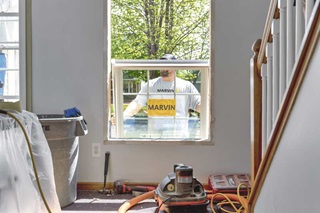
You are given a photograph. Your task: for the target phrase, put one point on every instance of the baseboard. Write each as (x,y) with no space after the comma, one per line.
(110,185)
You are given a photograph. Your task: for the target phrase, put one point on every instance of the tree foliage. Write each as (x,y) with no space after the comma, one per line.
(147,29)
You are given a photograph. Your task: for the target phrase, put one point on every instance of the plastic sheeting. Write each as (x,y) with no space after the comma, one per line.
(18,188)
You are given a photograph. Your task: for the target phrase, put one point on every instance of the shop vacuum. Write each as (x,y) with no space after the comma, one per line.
(180,192)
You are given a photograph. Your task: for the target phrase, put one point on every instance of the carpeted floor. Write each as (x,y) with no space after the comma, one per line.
(95,202)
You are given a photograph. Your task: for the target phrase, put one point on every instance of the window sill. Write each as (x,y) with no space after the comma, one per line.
(158,142)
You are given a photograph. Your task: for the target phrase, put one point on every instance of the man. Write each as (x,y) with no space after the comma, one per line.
(167,87)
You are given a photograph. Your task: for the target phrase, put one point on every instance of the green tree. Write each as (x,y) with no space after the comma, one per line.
(147,29)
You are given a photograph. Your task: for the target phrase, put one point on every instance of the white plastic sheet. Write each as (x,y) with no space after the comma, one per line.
(18,188)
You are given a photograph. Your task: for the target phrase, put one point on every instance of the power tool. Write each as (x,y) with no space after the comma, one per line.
(121,188)
(181,192)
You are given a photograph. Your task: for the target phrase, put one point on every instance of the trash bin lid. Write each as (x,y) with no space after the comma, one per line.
(57,117)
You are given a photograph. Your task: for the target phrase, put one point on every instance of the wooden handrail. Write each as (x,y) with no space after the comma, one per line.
(301,66)
(272,14)
(256,111)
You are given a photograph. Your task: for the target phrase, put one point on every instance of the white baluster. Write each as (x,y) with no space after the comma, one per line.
(275,68)
(283,48)
(309,7)
(264,108)
(269,55)
(290,38)
(299,25)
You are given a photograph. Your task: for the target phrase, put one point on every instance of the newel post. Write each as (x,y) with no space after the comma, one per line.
(255,110)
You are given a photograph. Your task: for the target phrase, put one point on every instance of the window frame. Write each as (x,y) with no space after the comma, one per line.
(21,69)
(107,88)
(10,46)
(118,66)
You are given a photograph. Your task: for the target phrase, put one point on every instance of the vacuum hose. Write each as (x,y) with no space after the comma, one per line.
(130,203)
(31,154)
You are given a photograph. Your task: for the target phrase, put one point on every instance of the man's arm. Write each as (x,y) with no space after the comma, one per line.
(198,107)
(132,109)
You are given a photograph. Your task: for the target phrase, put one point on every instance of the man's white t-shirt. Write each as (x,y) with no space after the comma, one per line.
(178,125)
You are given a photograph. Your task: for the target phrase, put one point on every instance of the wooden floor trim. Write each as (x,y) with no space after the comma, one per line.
(110,185)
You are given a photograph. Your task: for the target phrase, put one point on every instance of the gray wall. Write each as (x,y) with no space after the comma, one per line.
(68,71)
(294,172)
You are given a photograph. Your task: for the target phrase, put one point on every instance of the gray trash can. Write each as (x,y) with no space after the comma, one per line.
(62,136)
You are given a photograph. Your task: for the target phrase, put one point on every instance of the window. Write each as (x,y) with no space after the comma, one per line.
(9,50)
(134,70)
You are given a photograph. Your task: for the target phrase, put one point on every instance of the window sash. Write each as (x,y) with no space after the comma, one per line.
(118,66)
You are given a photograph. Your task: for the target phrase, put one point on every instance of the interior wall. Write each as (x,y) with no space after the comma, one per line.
(293,173)
(68,47)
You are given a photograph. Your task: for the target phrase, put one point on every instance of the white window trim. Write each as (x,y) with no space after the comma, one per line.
(22,53)
(107,87)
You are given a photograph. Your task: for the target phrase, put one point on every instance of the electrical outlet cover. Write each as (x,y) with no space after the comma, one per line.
(96,152)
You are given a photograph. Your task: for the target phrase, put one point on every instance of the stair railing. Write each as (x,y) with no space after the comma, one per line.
(277,68)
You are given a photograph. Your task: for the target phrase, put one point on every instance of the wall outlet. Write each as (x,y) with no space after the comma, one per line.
(96,151)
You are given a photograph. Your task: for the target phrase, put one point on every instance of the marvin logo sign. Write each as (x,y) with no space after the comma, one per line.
(165,90)
(161,107)
(168,90)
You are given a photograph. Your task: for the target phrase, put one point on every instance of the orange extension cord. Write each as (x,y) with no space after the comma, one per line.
(230,198)
(218,196)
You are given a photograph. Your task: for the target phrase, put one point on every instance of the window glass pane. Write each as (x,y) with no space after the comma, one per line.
(9,72)
(9,6)
(11,83)
(10,58)
(9,29)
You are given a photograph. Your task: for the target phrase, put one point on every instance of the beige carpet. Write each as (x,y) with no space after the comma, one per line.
(95,202)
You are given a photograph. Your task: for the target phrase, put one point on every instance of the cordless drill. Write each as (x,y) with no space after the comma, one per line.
(121,188)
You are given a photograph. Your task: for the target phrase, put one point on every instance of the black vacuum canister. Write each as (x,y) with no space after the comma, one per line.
(181,192)
(198,208)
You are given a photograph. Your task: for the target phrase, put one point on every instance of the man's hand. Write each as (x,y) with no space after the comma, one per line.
(113,121)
